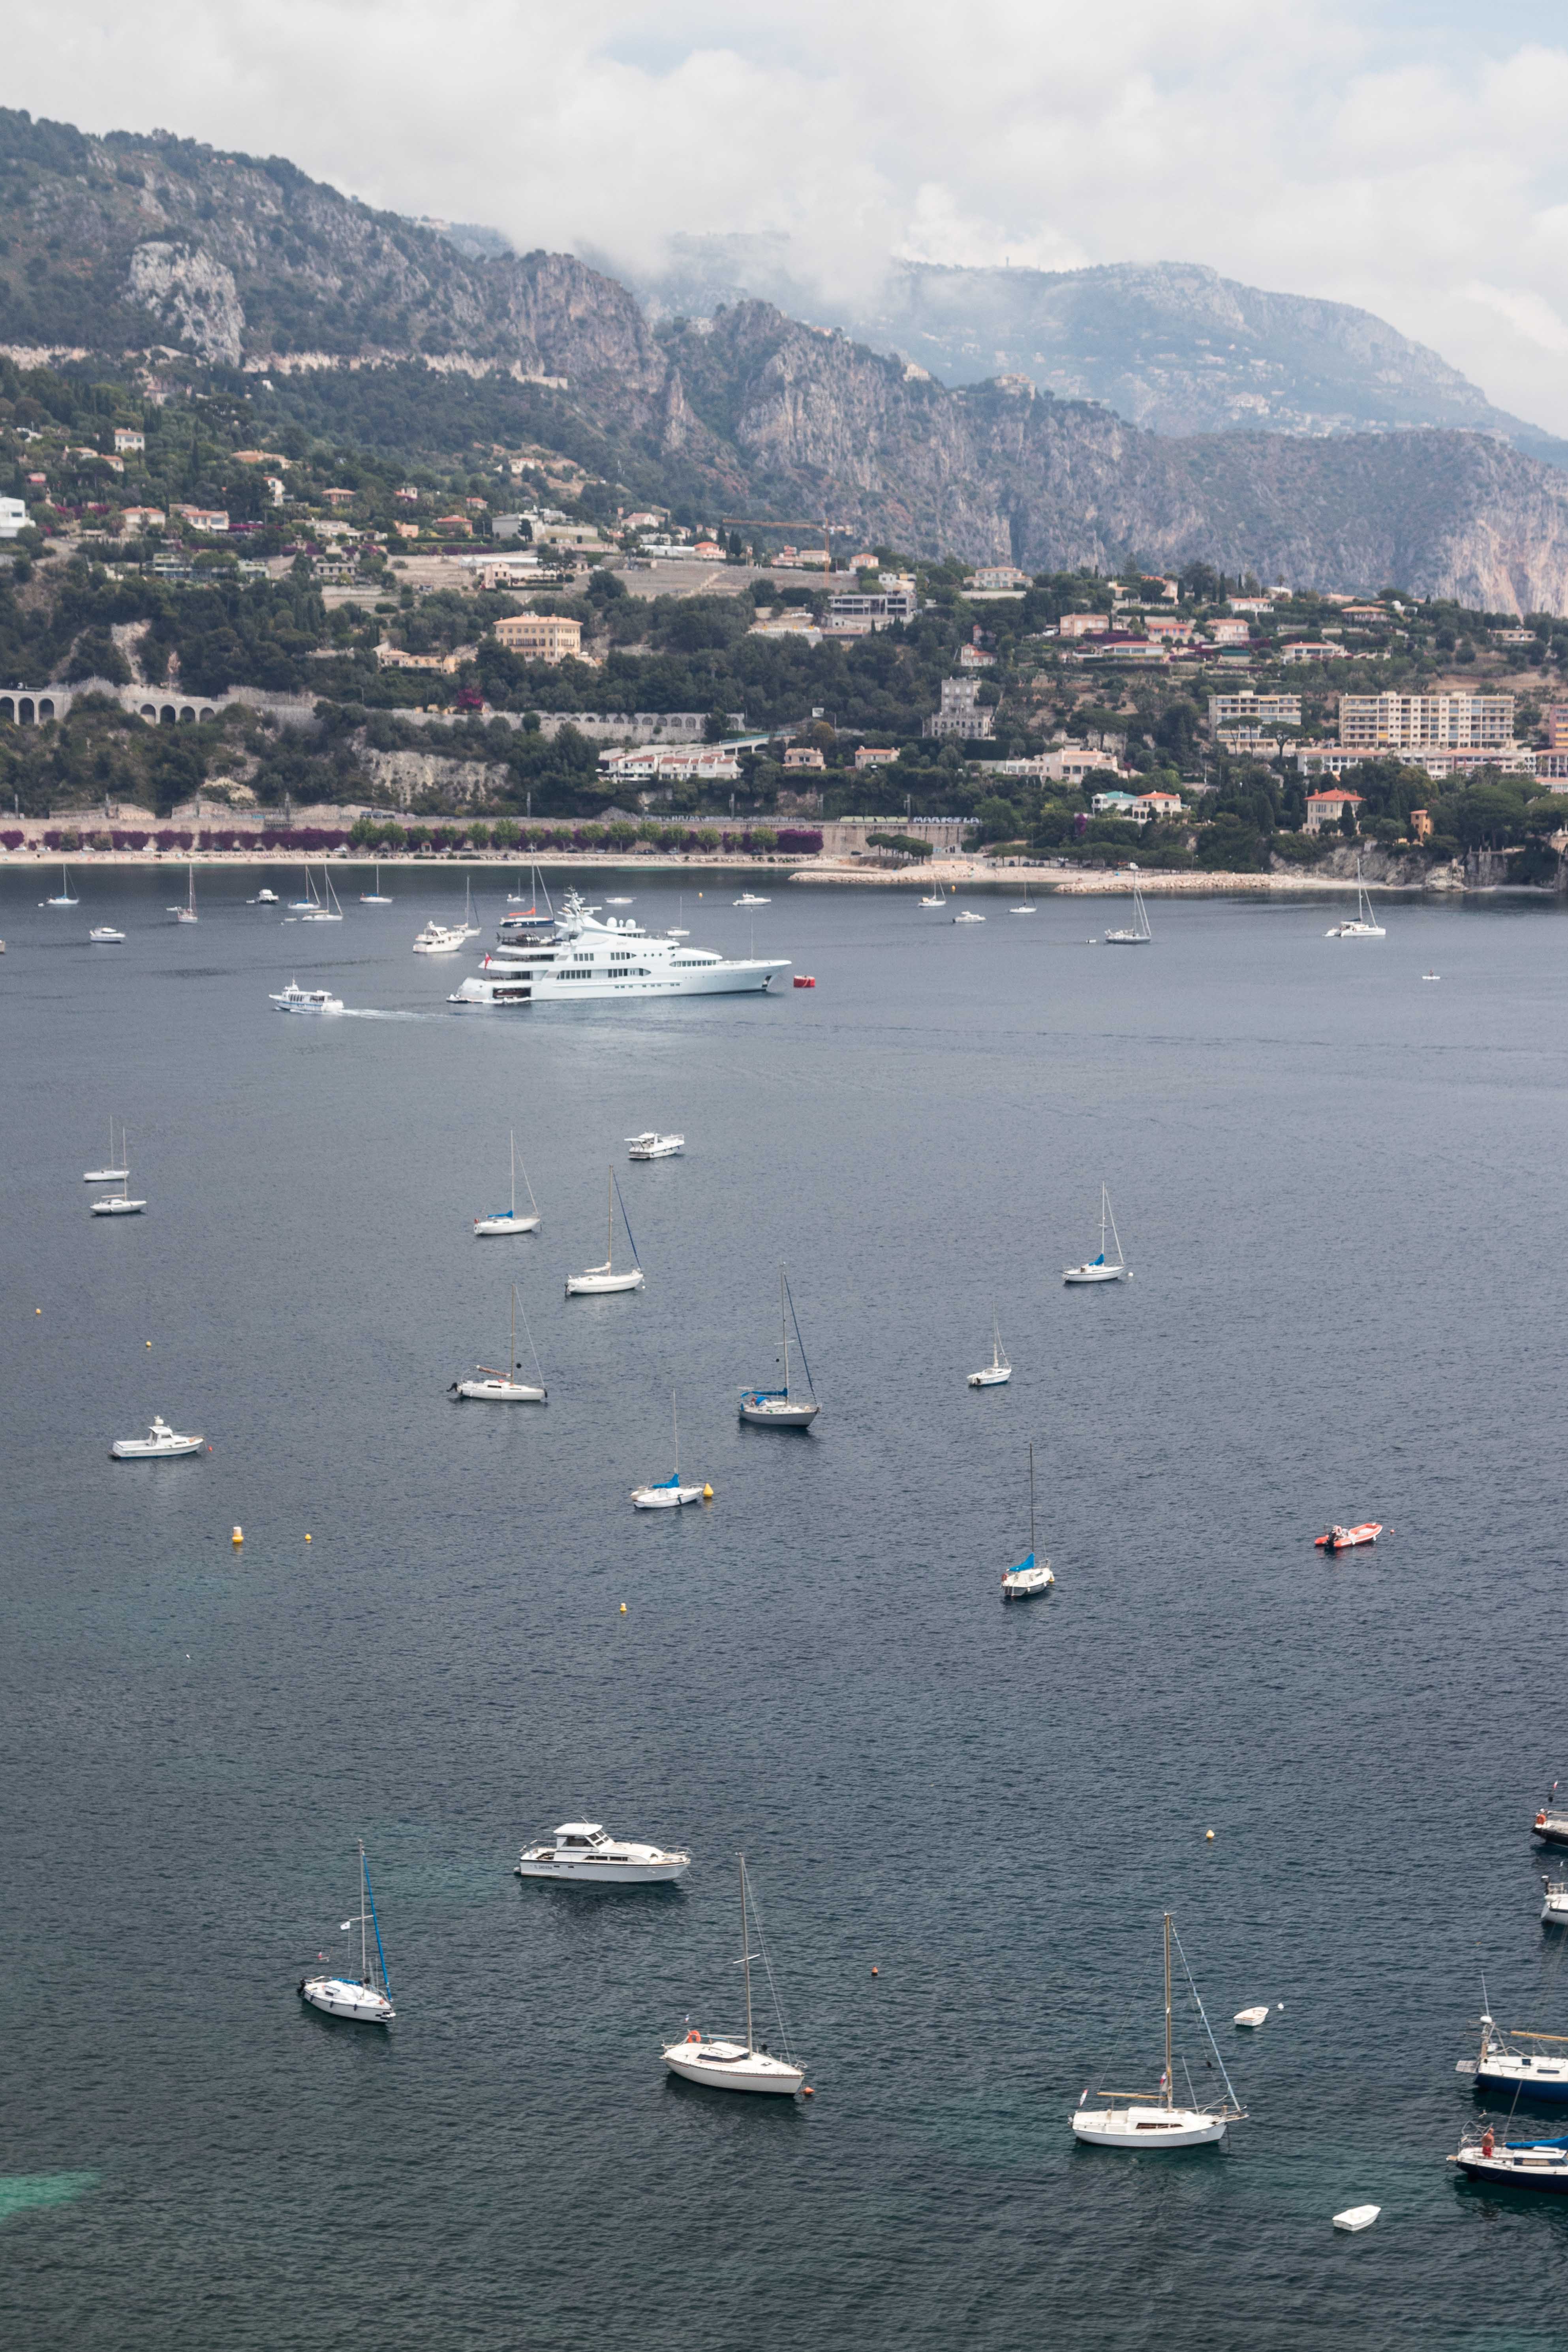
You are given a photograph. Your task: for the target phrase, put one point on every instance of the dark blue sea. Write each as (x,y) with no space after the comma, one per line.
(1341,1187)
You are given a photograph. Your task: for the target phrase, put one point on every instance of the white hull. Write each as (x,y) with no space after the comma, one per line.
(994,1377)
(591,1285)
(770,1413)
(584,1854)
(1126,938)
(728,2066)
(1095,1273)
(664,1498)
(341,1996)
(590,1874)
(485,1228)
(1141,2129)
(295,999)
(119,1207)
(334,1006)
(106,938)
(153,1449)
(107,1176)
(1026,1583)
(654,1147)
(1356,931)
(501,1392)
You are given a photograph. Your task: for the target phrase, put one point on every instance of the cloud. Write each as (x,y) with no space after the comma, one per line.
(1399,153)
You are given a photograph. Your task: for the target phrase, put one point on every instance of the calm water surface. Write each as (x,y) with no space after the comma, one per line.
(1341,1189)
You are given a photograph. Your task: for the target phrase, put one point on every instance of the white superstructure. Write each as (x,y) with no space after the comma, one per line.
(585,1855)
(295,999)
(578,957)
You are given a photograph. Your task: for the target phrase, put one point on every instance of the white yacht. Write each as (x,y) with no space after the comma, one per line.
(1103,1268)
(438,939)
(504,1388)
(326,910)
(106,936)
(748,898)
(265,899)
(654,1147)
(1364,925)
(159,1444)
(585,1855)
(968,915)
(364,1999)
(501,1222)
(577,958)
(118,1204)
(1032,1577)
(998,1371)
(1137,934)
(784,1407)
(1150,2121)
(669,1495)
(596,1280)
(725,2065)
(295,999)
(113,1174)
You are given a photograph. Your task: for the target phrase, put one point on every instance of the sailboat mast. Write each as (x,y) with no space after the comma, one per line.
(745,1952)
(675,1418)
(1031,1501)
(610,1223)
(513,1139)
(783,1331)
(1170,2091)
(512,1359)
(361,1955)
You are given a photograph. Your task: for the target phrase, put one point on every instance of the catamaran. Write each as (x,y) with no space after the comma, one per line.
(1152,2119)
(507,1220)
(188,913)
(596,1279)
(1138,934)
(725,2065)
(1365,926)
(998,1371)
(366,1998)
(376,898)
(783,1408)
(669,1494)
(1103,1268)
(503,1388)
(1032,1576)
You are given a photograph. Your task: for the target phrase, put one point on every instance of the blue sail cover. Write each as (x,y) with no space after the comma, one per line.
(1098,1261)
(1023,1564)
(672,1481)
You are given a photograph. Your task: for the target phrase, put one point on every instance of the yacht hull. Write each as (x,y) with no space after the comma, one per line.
(137,1449)
(1085,1273)
(1551,1829)
(664,1498)
(602,1873)
(722,2066)
(1543,2079)
(765,1414)
(485,1228)
(501,1392)
(118,1208)
(339,1997)
(991,1379)
(592,1286)
(1538,2169)
(1137,2130)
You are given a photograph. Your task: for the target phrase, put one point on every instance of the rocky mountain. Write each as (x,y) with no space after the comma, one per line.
(1171,345)
(114,246)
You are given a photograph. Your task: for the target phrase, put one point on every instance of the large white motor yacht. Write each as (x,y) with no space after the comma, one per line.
(584,1853)
(576,957)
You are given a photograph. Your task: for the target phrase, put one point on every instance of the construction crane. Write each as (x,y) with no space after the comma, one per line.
(774,522)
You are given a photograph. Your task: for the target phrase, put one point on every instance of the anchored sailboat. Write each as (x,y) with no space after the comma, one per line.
(118,1204)
(113,1172)
(998,1371)
(1138,934)
(669,1494)
(1152,2119)
(63,896)
(327,909)
(726,2065)
(500,1388)
(783,1408)
(366,1998)
(1032,1576)
(1103,1268)
(376,898)
(597,1278)
(1365,926)
(188,913)
(507,1220)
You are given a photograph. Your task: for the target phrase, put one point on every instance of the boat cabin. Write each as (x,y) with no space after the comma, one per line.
(581,1833)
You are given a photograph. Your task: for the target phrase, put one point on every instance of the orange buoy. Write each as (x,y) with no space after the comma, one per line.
(875,1972)
(807,2092)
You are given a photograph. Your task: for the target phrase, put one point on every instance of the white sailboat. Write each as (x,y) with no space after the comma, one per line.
(726,2065)
(305,904)
(669,1494)
(376,898)
(364,1999)
(63,896)
(188,913)
(783,1408)
(1152,2119)
(1032,1576)
(469,928)
(503,1388)
(1103,1268)
(536,890)
(998,1371)
(596,1280)
(1365,927)
(114,1174)
(1138,934)
(507,1220)
(118,1204)
(326,910)
(935,900)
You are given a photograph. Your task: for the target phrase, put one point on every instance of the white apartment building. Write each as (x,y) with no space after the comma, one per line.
(1419,723)
(1249,710)
(14,517)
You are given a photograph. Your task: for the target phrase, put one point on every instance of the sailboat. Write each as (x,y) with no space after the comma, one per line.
(1032,1576)
(118,1204)
(998,1371)
(63,896)
(783,1408)
(1138,935)
(1365,927)
(507,1220)
(470,930)
(1152,2119)
(114,1174)
(726,2065)
(669,1494)
(367,1997)
(188,913)
(1101,1268)
(1028,905)
(674,932)
(310,902)
(500,1388)
(376,898)
(599,1278)
(935,900)
(327,909)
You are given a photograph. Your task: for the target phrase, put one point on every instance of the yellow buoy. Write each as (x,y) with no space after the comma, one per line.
(307,1538)
(149,1343)
(708,1494)
(237,1536)
(1208,1837)
(38,1310)
(623,1608)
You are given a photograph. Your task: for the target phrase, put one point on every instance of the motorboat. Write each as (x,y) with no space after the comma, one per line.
(669,1495)
(326,910)
(501,1388)
(376,898)
(295,999)
(596,1280)
(501,1221)
(1551,1824)
(106,936)
(746,898)
(1137,934)
(721,2065)
(1032,1577)
(265,899)
(581,957)
(63,896)
(654,1147)
(583,1853)
(783,1408)
(159,1444)
(1523,2074)
(113,1174)
(364,1999)
(1103,1269)
(998,1371)
(118,1204)
(969,916)
(619,902)
(1347,1538)
(188,913)
(1140,2122)
(1540,2164)
(438,939)
(1554,1903)
(1363,926)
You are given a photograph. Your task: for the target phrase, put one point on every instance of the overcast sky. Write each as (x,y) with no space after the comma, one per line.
(1409,157)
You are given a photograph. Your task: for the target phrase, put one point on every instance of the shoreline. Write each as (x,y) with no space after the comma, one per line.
(1101,882)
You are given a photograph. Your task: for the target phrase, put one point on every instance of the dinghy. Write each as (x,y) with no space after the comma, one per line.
(1347,1538)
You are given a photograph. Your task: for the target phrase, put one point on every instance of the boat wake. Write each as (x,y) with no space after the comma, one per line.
(368,1013)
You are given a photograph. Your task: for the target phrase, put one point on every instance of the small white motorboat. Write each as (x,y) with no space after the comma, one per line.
(1151,2122)
(595,1280)
(968,915)
(726,2065)
(159,1444)
(364,1999)
(654,1147)
(1257,2015)
(619,902)
(492,1387)
(264,898)
(583,1853)
(998,1371)
(507,1220)
(114,1174)
(295,999)
(106,936)
(784,1408)
(1554,1903)
(438,939)
(1357,2217)
(1032,1577)
(746,898)
(1103,1268)
(669,1494)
